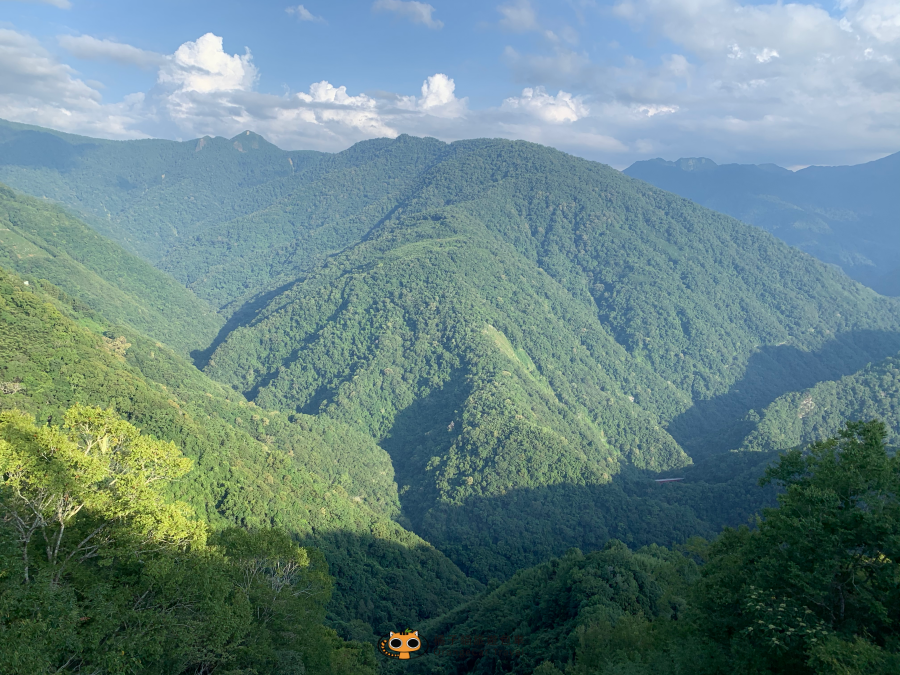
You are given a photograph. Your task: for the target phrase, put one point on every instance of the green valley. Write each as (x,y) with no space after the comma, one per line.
(319,480)
(440,383)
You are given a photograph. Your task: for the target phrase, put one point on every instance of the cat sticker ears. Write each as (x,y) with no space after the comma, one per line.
(400,645)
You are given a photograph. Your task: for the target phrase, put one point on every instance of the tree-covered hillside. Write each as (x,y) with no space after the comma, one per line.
(101,573)
(322,481)
(527,325)
(41,241)
(811,590)
(326,484)
(844,215)
(332,204)
(492,344)
(816,413)
(147,195)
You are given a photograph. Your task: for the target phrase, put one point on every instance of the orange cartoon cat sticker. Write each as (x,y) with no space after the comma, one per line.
(402,645)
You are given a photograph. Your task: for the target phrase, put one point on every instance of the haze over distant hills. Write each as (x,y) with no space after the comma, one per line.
(843,215)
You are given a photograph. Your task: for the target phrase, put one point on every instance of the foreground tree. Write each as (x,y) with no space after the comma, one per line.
(816,588)
(99,573)
(98,464)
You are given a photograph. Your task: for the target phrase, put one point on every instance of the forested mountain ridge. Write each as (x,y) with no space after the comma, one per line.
(553,321)
(146,194)
(464,414)
(41,241)
(324,483)
(331,204)
(844,215)
(645,296)
(802,417)
(567,315)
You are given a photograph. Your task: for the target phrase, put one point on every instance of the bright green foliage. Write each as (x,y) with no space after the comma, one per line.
(101,574)
(820,565)
(41,241)
(99,464)
(323,482)
(802,417)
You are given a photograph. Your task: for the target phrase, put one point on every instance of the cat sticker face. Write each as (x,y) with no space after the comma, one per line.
(401,645)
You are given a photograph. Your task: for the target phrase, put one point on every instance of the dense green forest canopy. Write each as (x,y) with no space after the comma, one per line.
(319,479)
(41,241)
(146,194)
(812,589)
(814,414)
(844,215)
(326,484)
(578,324)
(101,573)
(441,366)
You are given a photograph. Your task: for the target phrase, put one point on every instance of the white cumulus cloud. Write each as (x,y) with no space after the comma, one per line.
(417,12)
(556,109)
(438,97)
(204,66)
(336,105)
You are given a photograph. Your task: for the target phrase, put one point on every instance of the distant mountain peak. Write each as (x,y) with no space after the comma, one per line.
(685,163)
(249,140)
(695,164)
(773,168)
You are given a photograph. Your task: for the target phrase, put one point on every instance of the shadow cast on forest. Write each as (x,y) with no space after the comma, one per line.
(419,432)
(719,424)
(243,316)
(384,583)
(492,537)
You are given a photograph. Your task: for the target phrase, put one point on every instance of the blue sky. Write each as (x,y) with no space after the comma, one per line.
(615,81)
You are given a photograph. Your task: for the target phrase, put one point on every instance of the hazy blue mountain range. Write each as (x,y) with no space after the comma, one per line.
(843,215)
